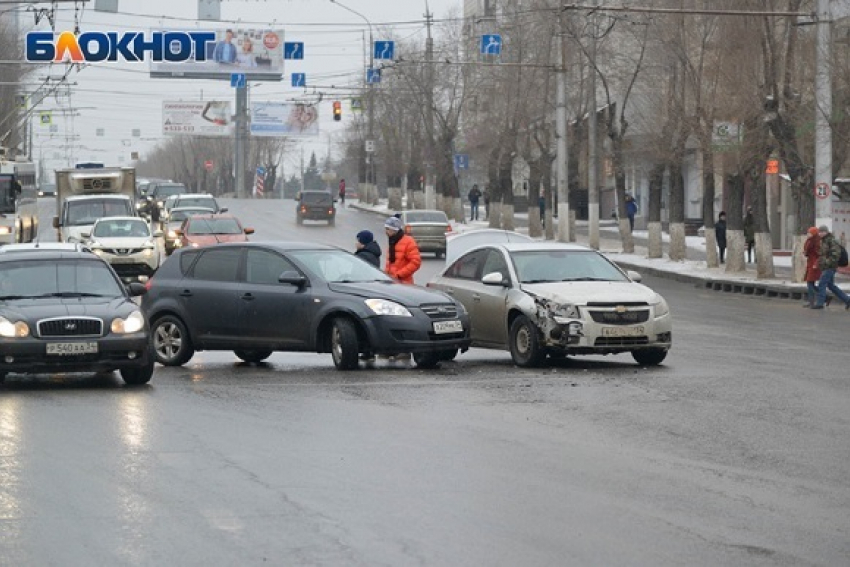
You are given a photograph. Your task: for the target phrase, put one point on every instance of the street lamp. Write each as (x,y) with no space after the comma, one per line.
(370,169)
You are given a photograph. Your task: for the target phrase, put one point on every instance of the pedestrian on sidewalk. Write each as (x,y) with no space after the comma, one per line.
(367,249)
(811,250)
(474,196)
(342,191)
(720,234)
(486,196)
(631,211)
(541,203)
(750,233)
(830,251)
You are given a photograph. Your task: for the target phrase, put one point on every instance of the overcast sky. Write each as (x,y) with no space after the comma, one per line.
(120,97)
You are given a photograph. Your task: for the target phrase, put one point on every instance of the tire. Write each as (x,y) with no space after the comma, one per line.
(255,356)
(526,351)
(141,375)
(649,356)
(171,342)
(449,354)
(426,359)
(344,345)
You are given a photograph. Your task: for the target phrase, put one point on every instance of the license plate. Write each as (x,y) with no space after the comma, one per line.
(638,331)
(70,349)
(445,327)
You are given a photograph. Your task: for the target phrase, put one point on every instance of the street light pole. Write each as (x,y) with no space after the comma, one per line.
(823,115)
(370,189)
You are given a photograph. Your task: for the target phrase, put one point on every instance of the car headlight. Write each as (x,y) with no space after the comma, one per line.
(661,307)
(5,230)
(567,311)
(384,307)
(160,203)
(10,330)
(134,323)
(172,234)
(96,250)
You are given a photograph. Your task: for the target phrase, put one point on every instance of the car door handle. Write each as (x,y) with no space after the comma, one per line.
(248,297)
(186,293)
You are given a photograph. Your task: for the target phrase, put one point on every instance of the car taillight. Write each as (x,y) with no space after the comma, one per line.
(407,229)
(303,209)
(448,228)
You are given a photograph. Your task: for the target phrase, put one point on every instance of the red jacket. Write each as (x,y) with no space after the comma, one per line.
(407,260)
(811,250)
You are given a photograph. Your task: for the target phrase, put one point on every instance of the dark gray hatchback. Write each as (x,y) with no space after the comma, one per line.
(255,298)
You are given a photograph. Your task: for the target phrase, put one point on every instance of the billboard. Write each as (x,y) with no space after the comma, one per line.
(197,118)
(282,119)
(258,53)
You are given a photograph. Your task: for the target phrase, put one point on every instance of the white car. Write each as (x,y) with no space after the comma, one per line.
(127,244)
(537,299)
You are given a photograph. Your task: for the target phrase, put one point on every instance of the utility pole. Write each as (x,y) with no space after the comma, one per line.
(561,132)
(241,138)
(592,154)
(430,179)
(302,167)
(370,137)
(823,114)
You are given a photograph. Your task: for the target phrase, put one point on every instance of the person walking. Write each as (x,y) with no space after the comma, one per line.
(342,191)
(403,258)
(541,204)
(474,196)
(631,211)
(720,234)
(367,249)
(750,233)
(830,251)
(811,250)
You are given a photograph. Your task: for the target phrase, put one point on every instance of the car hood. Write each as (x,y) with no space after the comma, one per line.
(32,310)
(581,293)
(121,242)
(409,295)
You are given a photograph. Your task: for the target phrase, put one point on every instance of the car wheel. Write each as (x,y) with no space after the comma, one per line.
(255,356)
(449,354)
(426,359)
(141,375)
(525,343)
(171,342)
(649,356)
(344,348)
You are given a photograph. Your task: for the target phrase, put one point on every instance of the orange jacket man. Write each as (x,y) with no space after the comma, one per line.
(403,259)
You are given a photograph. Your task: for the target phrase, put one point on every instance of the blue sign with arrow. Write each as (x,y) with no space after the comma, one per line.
(293,50)
(238,80)
(373,76)
(299,79)
(461,161)
(385,50)
(491,44)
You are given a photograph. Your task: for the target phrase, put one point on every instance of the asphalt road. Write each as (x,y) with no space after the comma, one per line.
(734,452)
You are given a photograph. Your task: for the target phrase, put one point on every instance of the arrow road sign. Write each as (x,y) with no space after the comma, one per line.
(293,50)
(385,50)
(299,79)
(373,76)
(237,80)
(491,44)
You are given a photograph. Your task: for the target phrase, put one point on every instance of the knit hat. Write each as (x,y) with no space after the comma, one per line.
(393,223)
(813,231)
(365,237)
(823,228)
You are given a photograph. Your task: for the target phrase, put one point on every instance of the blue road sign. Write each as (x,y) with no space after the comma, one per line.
(461,161)
(491,44)
(293,50)
(261,171)
(373,76)
(237,80)
(385,50)
(299,79)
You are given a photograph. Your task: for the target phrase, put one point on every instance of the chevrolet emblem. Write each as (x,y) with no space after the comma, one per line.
(620,309)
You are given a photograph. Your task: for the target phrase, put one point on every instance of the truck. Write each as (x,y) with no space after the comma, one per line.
(18,200)
(84,195)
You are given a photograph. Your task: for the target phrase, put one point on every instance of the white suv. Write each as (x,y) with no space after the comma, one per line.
(127,244)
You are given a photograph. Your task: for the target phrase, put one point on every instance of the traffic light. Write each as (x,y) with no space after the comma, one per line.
(337,110)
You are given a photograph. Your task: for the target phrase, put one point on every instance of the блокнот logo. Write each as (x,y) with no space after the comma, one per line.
(171,46)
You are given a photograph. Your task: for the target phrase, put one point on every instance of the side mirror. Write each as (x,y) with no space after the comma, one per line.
(495,278)
(157,234)
(249,231)
(223,210)
(634,276)
(56,222)
(292,278)
(136,289)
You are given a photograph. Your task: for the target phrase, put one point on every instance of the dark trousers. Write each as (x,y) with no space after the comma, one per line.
(473,210)
(750,251)
(631,223)
(722,248)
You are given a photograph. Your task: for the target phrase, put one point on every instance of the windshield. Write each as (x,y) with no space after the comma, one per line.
(336,266)
(163,191)
(7,196)
(314,198)
(542,266)
(214,226)
(82,213)
(72,278)
(121,229)
(422,216)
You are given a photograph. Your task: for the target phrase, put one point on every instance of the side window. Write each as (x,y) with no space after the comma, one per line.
(265,267)
(495,262)
(186,260)
(220,265)
(466,268)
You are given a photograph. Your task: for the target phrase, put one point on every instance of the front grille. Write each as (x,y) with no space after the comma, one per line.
(442,311)
(621,341)
(129,270)
(624,318)
(123,251)
(70,327)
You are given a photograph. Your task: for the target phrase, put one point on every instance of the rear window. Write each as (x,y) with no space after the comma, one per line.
(168,190)
(316,198)
(427,216)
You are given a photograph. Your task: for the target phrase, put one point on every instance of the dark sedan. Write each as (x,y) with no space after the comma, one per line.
(286,296)
(67,311)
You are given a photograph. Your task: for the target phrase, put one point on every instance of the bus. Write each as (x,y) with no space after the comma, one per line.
(18,202)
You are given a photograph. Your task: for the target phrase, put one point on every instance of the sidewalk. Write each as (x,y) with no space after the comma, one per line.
(693,270)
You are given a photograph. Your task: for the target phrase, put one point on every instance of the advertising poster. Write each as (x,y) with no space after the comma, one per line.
(197,118)
(284,119)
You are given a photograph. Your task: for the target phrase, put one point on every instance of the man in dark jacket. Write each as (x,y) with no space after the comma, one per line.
(830,251)
(720,234)
(750,233)
(474,196)
(367,249)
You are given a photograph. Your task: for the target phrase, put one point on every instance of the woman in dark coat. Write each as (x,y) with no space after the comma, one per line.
(720,234)
(367,249)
